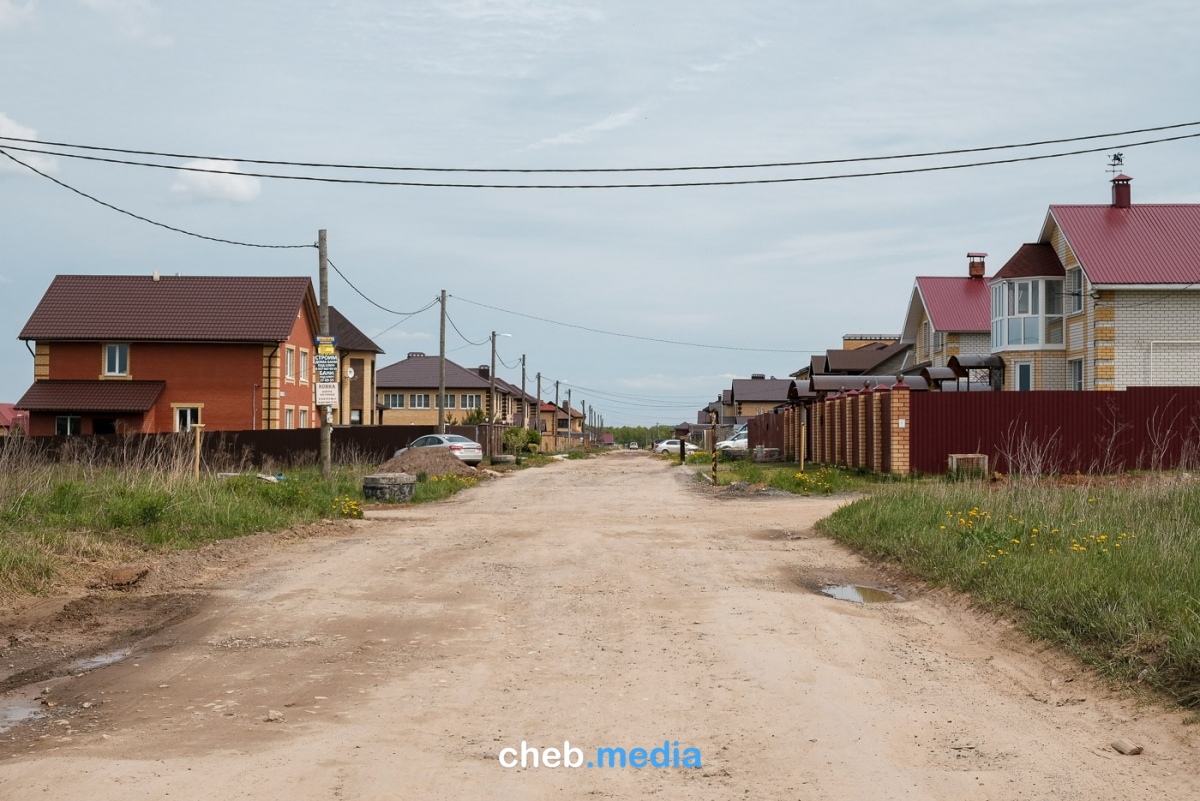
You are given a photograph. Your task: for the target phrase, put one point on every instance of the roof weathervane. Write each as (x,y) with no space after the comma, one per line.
(1115,162)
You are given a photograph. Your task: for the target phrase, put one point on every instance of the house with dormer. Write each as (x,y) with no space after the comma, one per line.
(158,353)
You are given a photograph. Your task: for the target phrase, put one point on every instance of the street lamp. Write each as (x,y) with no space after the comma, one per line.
(492,380)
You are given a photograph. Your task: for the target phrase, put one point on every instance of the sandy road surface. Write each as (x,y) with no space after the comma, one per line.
(609,602)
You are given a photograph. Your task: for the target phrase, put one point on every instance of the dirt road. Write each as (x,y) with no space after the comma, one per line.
(609,603)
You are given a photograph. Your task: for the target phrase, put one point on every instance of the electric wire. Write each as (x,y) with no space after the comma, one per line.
(461,334)
(632,336)
(661,185)
(94,199)
(406,317)
(500,359)
(365,297)
(762,165)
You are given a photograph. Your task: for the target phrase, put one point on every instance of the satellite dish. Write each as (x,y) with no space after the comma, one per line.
(350,372)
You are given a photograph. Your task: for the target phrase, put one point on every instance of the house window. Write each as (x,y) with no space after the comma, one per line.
(1019,317)
(186,417)
(450,399)
(303,367)
(927,330)
(1024,376)
(116,359)
(304,418)
(393,400)
(68,425)
(418,401)
(289,417)
(289,364)
(356,417)
(1074,290)
(472,401)
(1075,374)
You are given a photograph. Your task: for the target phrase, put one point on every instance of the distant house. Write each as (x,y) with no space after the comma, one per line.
(752,396)
(407,391)
(948,316)
(12,422)
(126,353)
(1107,298)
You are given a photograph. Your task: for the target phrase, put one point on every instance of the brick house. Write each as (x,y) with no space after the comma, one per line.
(407,391)
(752,396)
(356,371)
(1107,298)
(12,422)
(947,316)
(123,354)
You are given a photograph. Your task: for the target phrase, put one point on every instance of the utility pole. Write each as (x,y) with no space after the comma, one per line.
(539,405)
(327,412)
(492,384)
(570,432)
(583,411)
(524,397)
(557,409)
(442,371)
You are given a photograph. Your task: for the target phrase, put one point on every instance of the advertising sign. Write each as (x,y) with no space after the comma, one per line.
(327,393)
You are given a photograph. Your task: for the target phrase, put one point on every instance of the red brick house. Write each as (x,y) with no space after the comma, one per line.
(117,354)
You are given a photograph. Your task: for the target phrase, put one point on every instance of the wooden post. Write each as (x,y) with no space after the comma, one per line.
(326,412)
(199,429)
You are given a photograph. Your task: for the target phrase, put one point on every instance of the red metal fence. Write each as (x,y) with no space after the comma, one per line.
(1058,432)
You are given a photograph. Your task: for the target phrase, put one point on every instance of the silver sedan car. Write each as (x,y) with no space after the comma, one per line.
(466,449)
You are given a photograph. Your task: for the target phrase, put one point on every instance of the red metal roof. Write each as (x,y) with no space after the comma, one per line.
(170,309)
(91,396)
(1142,244)
(956,304)
(9,416)
(1032,261)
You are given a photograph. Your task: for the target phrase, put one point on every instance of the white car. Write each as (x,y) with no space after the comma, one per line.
(738,442)
(672,446)
(468,450)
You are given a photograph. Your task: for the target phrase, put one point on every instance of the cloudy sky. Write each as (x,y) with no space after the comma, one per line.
(768,271)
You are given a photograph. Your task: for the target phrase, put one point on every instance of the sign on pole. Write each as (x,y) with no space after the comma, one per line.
(327,393)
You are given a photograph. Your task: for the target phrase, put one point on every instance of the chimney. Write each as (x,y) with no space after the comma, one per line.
(1120,191)
(976,268)
(154,276)
(415,355)
(758,376)
(483,370)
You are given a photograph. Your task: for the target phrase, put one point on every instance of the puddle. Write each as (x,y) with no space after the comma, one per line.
(860,595)
(18,710)
(98,661)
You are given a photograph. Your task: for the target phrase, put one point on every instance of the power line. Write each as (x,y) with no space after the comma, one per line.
(630,336)
(763,165)
(372,302)
(506,364)
(405,317)
(746,182)
(94,199)
(461,334)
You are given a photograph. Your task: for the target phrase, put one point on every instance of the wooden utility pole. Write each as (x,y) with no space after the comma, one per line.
(327,411)
(583,411)
(557,409)
(524,397)
(570,431)
(442,371)
(539,406)
(492,385)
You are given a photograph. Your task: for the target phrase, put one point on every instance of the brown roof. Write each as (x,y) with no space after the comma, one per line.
(1031,261)
(419,371)
(91,396)
(348,335)
(172,308)
(745,390)
(859,360)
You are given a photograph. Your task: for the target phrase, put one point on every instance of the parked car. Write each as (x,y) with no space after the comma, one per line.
(672,446)
(633,446)
(466,449)
(737,442)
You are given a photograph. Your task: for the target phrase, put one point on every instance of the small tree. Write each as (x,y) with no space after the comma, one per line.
(514,440)
(475,417)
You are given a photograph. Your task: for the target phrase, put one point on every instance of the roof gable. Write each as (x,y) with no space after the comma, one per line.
(348,335)
(170,308)
(1142,244)
(952,303)
(768,390)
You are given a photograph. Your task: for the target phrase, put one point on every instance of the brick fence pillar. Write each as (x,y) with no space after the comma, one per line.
(901,429)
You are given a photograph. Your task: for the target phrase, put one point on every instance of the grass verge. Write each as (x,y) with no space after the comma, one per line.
(787,476)
(1109,572)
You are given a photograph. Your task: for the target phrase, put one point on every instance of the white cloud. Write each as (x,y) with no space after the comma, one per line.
(212,186)
(731,57)
(612,122)
(9,127)
(13,14)
(136,20)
